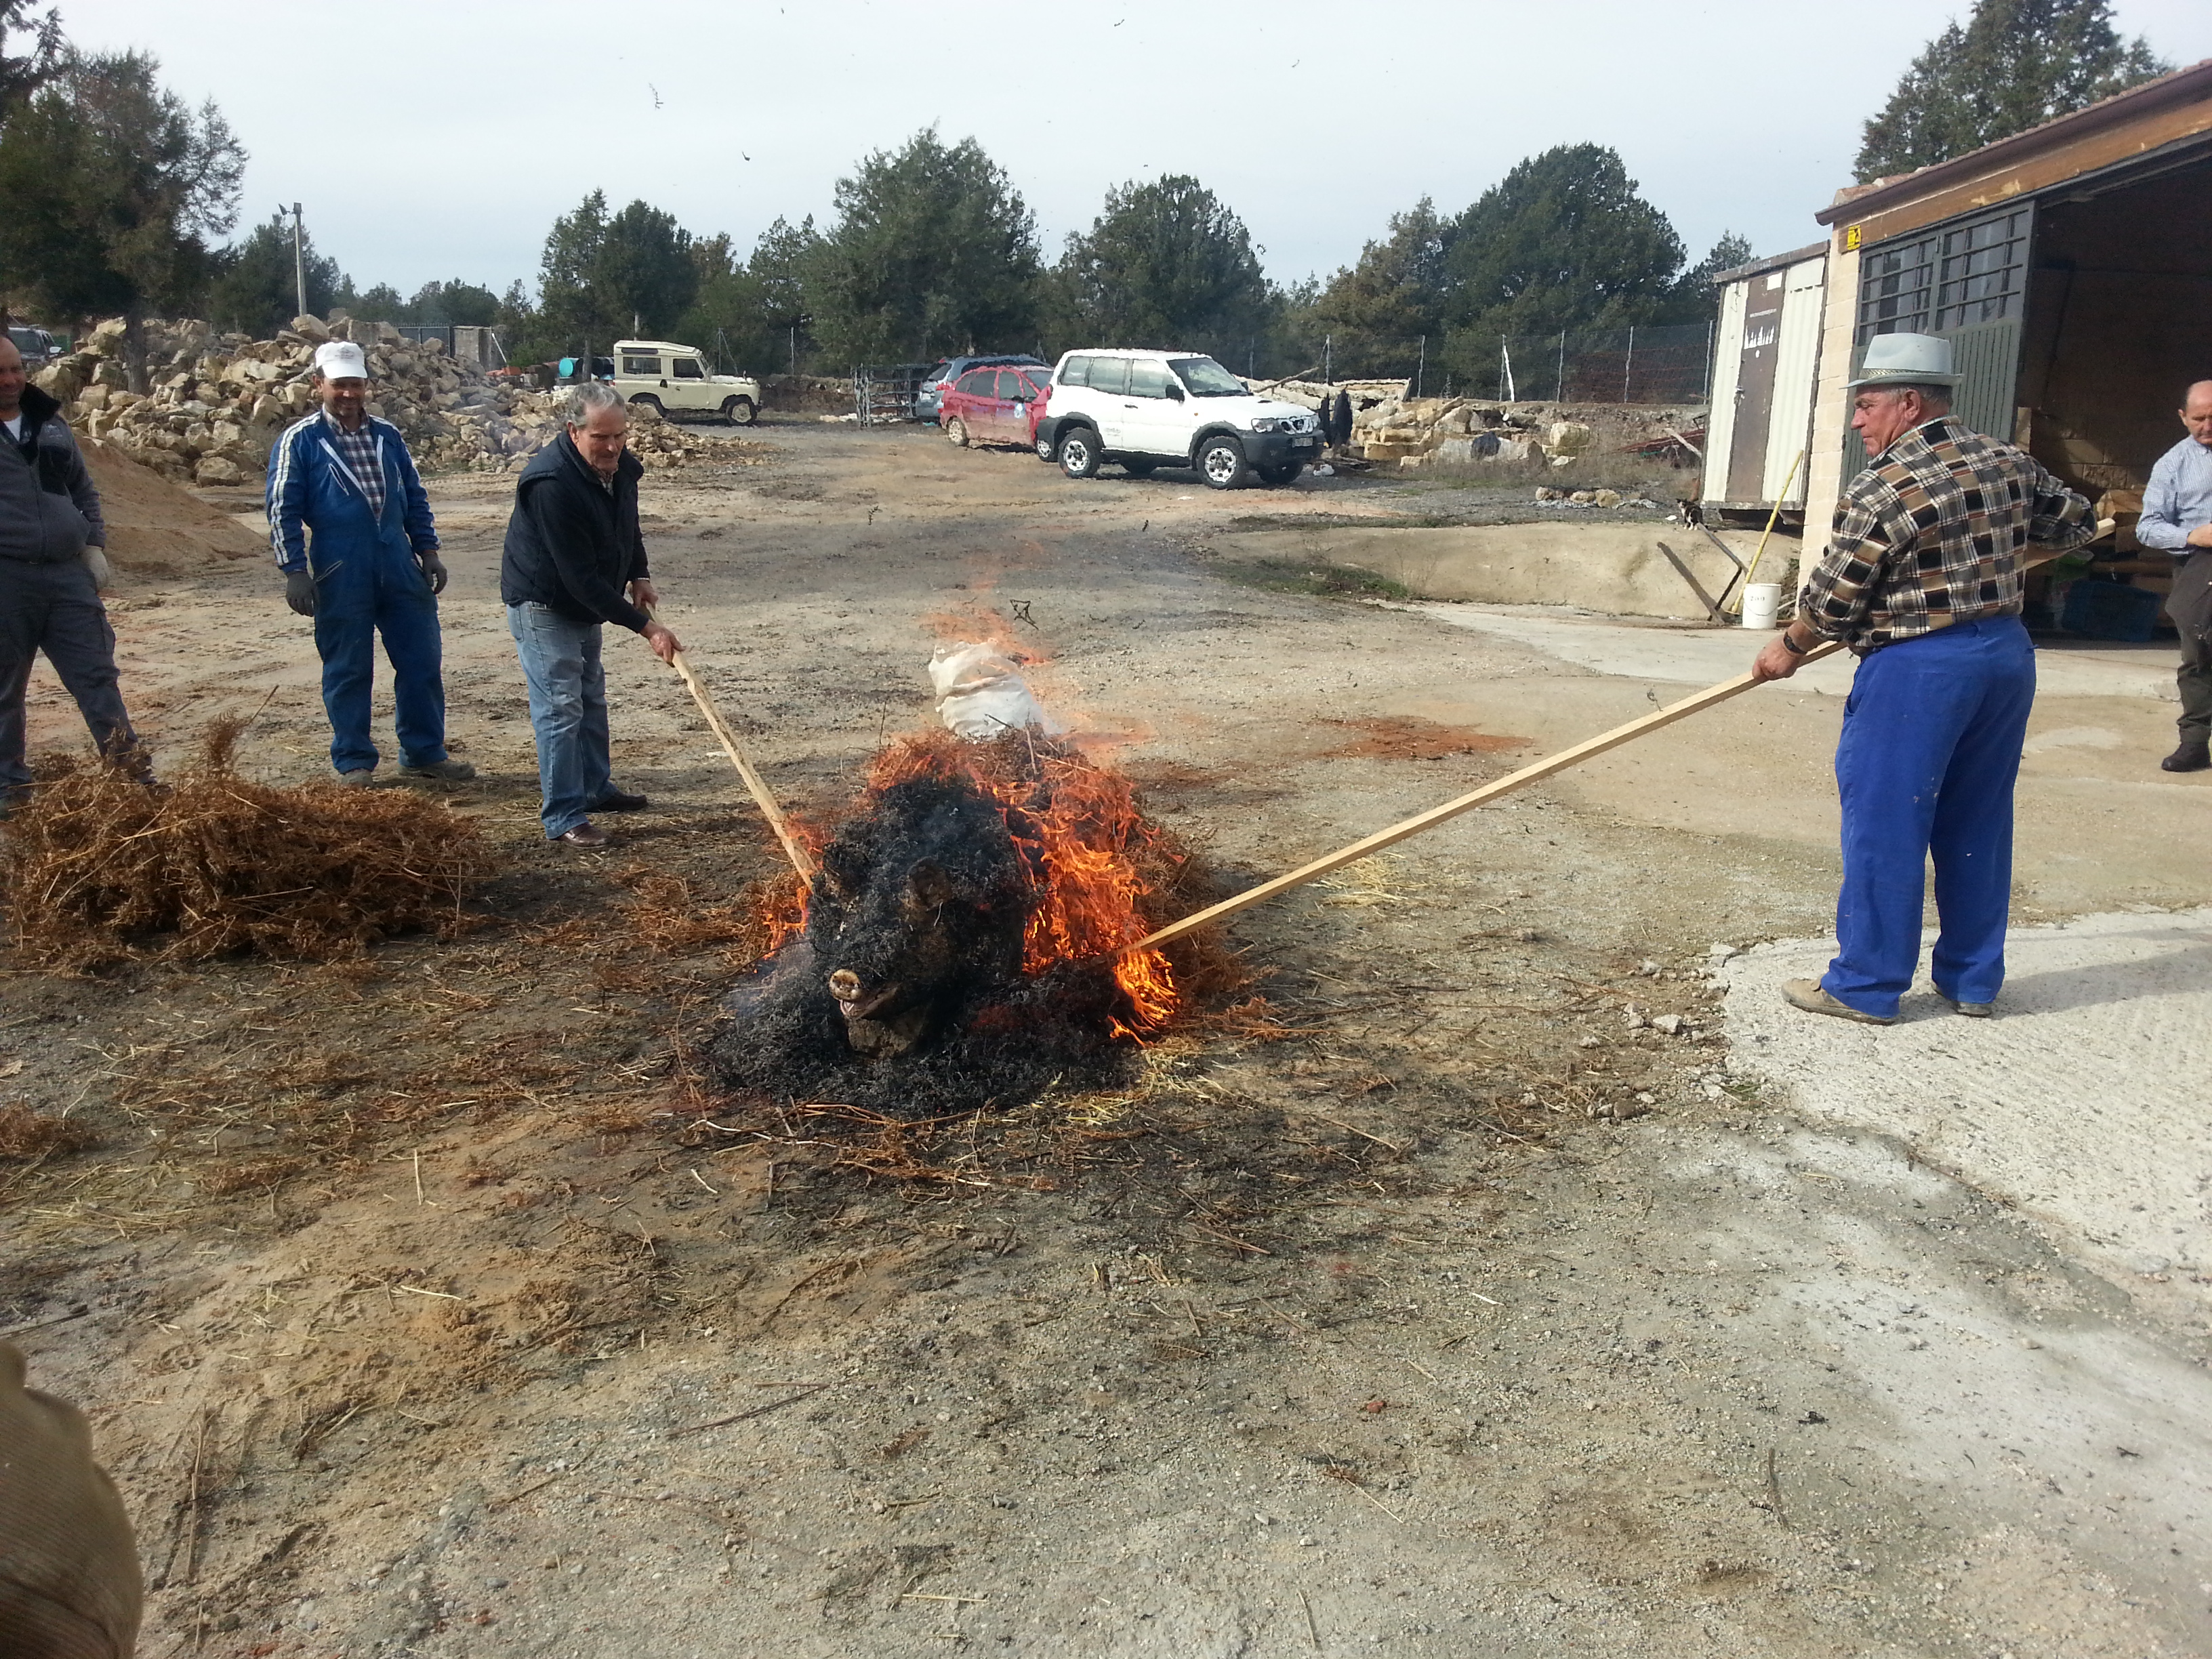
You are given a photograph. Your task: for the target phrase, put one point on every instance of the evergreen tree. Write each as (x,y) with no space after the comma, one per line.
(604,276)
(1695,298)
(439,305)
(2014,65)
(1563,241)
(933,251)
(42,55)
(1166,266)
(1372,313)
(255,288)
(112,185)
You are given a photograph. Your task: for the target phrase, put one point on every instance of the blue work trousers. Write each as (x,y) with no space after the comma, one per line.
(376,587)
(568,712)
(1929,753)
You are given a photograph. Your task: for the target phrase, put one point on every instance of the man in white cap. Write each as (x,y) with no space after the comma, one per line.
(1922,578)
(354,536)
(2177,519)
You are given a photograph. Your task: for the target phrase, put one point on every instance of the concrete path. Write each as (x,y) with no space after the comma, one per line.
(1705,656)
(2086,1104)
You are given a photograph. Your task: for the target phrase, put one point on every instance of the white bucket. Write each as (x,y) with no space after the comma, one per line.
(1761,600)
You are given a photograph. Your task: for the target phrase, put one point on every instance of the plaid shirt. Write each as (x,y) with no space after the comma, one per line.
(358,450)
(1930,534)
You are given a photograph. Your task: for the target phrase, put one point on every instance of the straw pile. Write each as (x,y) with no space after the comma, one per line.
(98,869)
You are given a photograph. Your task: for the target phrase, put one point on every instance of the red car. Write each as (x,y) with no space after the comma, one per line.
(995,406)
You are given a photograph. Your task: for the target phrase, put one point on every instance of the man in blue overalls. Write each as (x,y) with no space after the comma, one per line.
(354,536)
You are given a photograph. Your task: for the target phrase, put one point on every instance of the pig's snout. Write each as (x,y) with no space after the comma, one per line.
(853,999)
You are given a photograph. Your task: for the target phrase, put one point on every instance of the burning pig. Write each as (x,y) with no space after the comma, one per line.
(968,936)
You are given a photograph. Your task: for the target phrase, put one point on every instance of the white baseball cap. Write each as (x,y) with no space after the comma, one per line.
(341,360)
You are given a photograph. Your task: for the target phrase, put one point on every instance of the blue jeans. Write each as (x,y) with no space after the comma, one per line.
(1930,753)
(368,588)
(568,712)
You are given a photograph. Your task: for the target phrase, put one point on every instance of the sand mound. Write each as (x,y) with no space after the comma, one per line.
(156,528)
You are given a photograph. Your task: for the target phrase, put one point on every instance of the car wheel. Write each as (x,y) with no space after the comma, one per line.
(1285,473)
(1078,453)
(1221,462)
(1045,451)
(1139,469)
(956,432)
(739,412)
(644,401)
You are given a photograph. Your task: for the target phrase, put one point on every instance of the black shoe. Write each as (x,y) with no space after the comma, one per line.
(620,800)
(2189,758)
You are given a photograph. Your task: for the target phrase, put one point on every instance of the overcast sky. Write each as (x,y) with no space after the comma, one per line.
(431,140)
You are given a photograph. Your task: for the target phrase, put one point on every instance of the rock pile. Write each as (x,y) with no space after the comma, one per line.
(217,402)
(1390,425)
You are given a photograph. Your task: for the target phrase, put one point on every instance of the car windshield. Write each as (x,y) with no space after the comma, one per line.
(1208,378)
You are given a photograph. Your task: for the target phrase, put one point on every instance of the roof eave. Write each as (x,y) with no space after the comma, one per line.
(2182,87)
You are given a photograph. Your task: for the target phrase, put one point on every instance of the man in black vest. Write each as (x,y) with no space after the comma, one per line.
(575,560)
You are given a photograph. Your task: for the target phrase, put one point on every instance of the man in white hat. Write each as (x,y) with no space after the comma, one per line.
(2177,519)
(1922,578)
(354,536)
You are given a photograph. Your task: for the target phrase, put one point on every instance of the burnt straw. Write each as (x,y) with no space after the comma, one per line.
(924,982)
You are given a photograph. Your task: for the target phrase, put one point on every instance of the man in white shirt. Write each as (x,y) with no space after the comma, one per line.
(2177,519)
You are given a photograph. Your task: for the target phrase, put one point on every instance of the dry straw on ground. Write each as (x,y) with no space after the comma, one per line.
(99,868)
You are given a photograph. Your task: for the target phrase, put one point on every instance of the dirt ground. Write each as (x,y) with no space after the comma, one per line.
(1445,1304)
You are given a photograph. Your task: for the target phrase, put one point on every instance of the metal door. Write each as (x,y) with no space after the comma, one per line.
(1754,387)
(1986,357)
(1965,281)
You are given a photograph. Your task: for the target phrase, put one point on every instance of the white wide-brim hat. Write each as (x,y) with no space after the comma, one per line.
(341,360)
(1905,360)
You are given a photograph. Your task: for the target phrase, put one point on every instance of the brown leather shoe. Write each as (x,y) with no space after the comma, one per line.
(1813,997)
(585,834)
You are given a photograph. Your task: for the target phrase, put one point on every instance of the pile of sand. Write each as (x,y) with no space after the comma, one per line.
(154,528)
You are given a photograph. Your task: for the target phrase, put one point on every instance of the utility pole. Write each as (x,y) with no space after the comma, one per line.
(300,258)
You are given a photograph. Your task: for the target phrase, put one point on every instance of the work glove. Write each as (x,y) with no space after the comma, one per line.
(299,591)
(434,569)
(95,564)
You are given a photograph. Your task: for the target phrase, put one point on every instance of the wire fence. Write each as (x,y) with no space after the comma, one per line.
(1664,364)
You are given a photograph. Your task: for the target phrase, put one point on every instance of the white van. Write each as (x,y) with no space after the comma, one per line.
(673,379)
(1149,408)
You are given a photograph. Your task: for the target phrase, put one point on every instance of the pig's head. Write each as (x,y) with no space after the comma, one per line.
(917,907)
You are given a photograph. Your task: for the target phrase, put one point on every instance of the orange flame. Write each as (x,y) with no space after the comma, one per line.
(1078,828)
(1079,834)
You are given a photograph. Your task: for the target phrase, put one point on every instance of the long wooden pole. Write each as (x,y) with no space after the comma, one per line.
(1589,749)
(1772,519)
(793,848)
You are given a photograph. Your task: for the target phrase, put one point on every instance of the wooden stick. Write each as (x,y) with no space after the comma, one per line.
(1590,749)
(1772,519)
(793,848)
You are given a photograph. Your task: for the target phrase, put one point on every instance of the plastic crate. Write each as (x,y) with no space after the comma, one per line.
(2111,611)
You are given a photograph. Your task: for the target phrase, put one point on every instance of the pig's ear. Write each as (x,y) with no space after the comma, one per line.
(927,886)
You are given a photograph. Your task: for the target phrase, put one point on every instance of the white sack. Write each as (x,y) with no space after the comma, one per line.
(980,693)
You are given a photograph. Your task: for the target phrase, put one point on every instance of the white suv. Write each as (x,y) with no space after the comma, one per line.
(1148,409)
(674,379)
